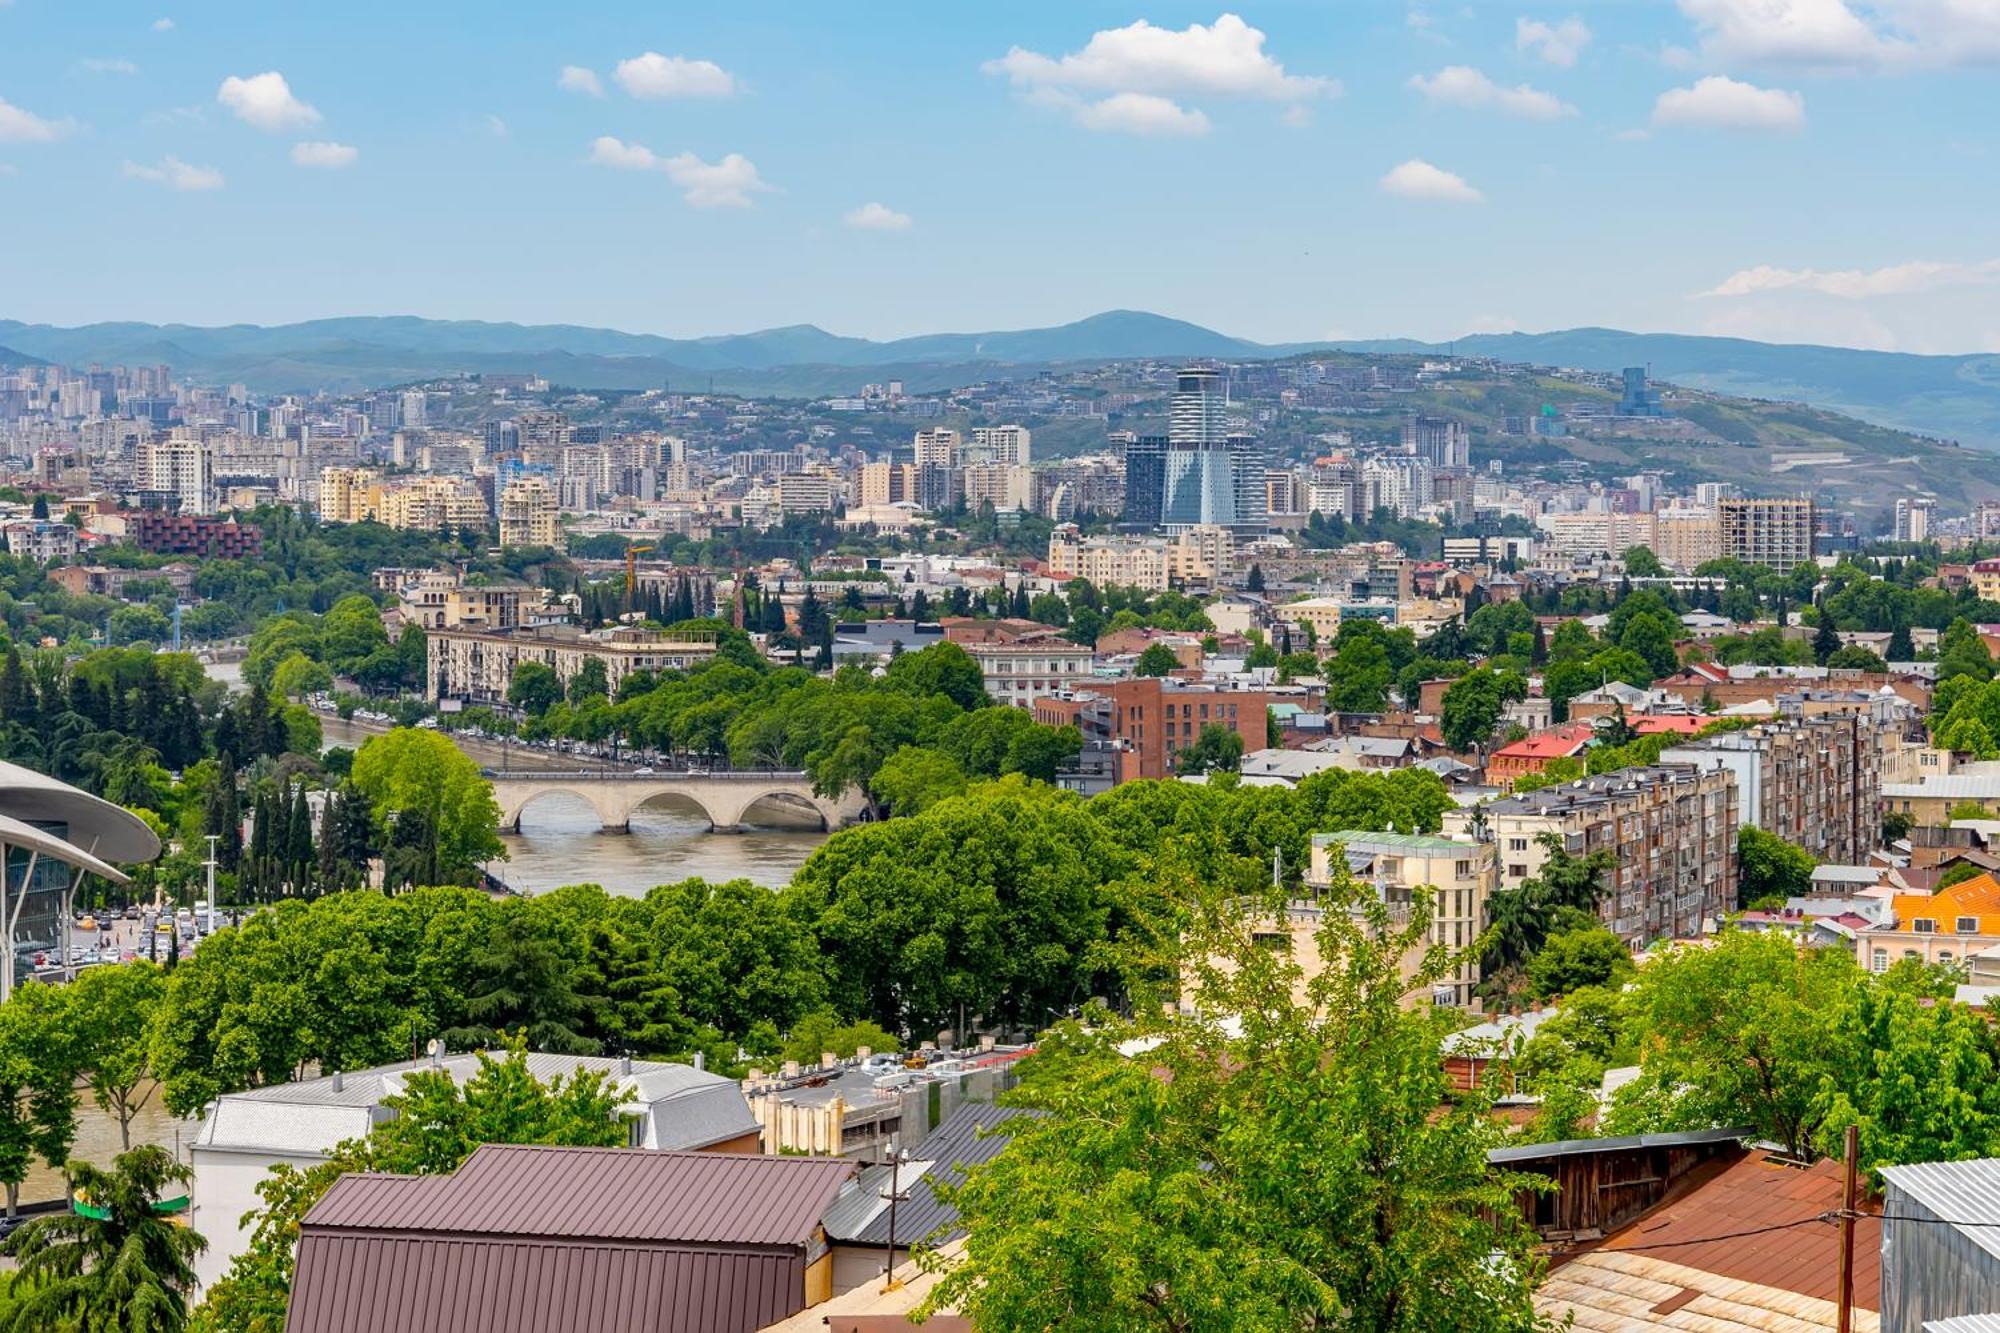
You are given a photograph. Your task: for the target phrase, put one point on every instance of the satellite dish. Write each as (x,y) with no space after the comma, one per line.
(434,1048)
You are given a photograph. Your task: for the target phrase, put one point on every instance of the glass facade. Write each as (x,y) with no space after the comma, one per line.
(40,925)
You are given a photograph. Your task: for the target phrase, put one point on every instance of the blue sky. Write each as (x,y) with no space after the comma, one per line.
(1799,170)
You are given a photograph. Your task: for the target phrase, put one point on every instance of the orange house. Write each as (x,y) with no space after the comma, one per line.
(1532,754)
(1948,926)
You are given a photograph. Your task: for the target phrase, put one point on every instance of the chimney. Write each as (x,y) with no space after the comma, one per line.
(624,1064)
(863,1052)
(700,1060)
(828,1060)
(791,1069)
(339,1081)
(986,1043)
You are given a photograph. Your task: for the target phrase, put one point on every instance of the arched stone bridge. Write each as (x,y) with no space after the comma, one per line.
(724,797)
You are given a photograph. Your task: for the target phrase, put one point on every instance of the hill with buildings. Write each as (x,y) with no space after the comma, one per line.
(1950,397)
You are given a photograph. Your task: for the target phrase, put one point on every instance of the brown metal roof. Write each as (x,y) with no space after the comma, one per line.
(598,1194)
(348,1282)
(1760,1191)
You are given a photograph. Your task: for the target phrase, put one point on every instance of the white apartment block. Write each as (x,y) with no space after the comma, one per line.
(529,515)
(1025,670)
(1008,446)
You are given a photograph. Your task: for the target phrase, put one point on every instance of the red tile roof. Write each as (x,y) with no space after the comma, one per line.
(1555,743)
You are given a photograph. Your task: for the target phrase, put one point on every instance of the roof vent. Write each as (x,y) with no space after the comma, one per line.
(339,1081)
(625,1064)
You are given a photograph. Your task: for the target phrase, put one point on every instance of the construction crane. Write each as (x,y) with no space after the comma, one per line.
(631,570)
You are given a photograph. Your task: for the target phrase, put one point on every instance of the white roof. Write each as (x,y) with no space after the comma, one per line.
(97,826)
(1951,787)
(13,833)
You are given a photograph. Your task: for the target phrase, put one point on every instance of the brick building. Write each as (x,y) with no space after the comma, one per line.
(1148,720)
(158,532)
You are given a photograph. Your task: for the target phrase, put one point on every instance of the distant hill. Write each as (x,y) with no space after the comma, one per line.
(10,357)
(1956,397)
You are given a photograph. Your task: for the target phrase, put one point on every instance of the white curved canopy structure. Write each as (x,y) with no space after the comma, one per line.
(13,834)
(97,826)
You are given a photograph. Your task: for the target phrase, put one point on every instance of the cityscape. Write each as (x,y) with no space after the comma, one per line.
(1103,823)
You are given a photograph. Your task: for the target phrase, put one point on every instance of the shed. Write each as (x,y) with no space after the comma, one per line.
(528,1239)
(1940,1243)
(1601,1184)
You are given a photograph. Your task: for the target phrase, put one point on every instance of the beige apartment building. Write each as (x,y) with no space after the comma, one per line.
(814,492)
(415,504)
(349,494)
(1203,554)
(1686,539)
(477,665)
(529,514)
(886,484)
(1005,446)
(1002,485)
(1813,781)
(1777,533)
(1398,866)
(1670,829)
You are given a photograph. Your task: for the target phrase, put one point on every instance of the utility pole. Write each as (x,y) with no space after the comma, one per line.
(1847,1202)
(894,1196)
(210,863)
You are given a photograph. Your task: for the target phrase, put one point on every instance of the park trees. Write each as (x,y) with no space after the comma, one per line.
(1218,749)
(1473,704)
(111,1012)
(1157,660)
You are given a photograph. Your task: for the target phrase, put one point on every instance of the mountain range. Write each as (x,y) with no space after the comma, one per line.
(1953,397)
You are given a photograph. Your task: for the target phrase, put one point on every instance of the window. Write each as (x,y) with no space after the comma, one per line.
(1463,870)
(1516,871)
(1517,844)
(1968,925)
(1924,925)
(1880,962)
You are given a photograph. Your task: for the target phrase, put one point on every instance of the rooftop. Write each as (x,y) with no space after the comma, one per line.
(1410,844)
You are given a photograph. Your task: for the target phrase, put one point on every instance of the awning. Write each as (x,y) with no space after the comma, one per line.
(14,833)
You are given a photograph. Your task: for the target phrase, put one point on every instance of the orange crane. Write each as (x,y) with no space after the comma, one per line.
(631,570)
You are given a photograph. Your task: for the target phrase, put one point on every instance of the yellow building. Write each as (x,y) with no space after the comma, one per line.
(529,514)
(432,504)
(349,494)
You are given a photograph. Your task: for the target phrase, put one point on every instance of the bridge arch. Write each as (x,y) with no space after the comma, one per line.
(725,799)
(513,799)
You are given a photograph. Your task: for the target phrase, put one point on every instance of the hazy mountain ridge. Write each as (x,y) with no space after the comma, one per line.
(1950,396)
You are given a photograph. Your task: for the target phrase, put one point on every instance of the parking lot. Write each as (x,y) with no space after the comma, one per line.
(115,937)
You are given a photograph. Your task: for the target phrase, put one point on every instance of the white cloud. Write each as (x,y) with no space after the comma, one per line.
(1140,113)
(877,217)
(1908,279)
(176,175)
(163,25)
(1462,85)
(1556,43)
(331,156)
(653,76)
(1418,179)
(19,125)
(1850,34)
(1296,117)
(1720,103)
(95,65)
(265,101)
(1223,59)
(577,79)
(728,183)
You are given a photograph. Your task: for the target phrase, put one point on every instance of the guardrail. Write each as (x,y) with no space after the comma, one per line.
(664,775)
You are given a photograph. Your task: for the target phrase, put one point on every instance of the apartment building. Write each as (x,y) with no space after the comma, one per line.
(1813,781)
(159,533)
(1006,446)
(1777,533)
(1397,866)
(1002,485)
(433,504)
(181,468)
(1949,926)
(1686,539)
(349,494)
(1596,534)
(1671,830)
(1151,719)
(935,448)
(887,484)
(813,492)
(1203,554)
(477,665)
(1020,671)
(529,515)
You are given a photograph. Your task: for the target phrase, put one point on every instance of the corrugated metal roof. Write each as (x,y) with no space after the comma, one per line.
(967,1137)
(1577,1147)
(1956,1192)
(866,1195)
(303,1131)
(347,1283)
(599,1194)
(1965,1323)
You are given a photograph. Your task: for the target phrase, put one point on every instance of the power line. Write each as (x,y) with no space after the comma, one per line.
(1830,1216)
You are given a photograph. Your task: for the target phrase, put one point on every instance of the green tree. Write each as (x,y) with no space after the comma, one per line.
(1652,638)
(130,1269)
(1570,960)
(1306,1169)
(915,778)
(1473,704)
(1920,1077)
(1218,749)
(1157,660)
(1961,652)
(821,1032)
(943,670)
(1641,563)
(38,1070)
(1745,1031)
(111,1011)
(1856,658)
(298,676)
(591,681)
(1769,867)
(413,769)
(534,689)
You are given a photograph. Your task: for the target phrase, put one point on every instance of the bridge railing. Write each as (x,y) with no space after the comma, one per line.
(631,775)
